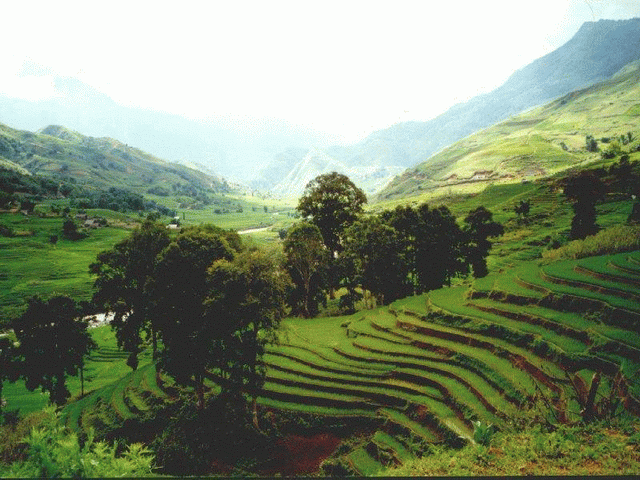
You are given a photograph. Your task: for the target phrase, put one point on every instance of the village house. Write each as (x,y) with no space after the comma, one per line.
(481,174)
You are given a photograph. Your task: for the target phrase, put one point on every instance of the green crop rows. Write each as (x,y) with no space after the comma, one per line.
(422,369)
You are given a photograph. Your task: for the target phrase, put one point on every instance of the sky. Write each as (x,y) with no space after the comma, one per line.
(344,68)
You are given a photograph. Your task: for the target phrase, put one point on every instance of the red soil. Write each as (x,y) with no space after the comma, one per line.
(300,455)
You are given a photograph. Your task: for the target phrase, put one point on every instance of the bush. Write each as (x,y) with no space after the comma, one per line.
(6,231)
(616,239)
(55,451)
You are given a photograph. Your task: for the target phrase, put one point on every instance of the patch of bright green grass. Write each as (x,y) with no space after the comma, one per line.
(363,463)
(33,265)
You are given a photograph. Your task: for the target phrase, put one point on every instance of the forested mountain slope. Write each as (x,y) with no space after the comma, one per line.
(64,154)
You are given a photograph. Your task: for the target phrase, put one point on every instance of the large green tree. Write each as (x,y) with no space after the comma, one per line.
(440,248)
(306,261)
(585,191)
(121,277)
(332,202)
(177,291)
(433,241)
(53,341)
(244,306)
(377,251)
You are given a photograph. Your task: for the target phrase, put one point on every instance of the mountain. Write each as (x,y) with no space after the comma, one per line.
(235,149)
(595,53)
(267,153)
(539,142)
(62,153)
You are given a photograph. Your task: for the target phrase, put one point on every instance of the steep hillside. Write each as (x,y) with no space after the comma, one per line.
(370,178)
(101,162)
(595,53)
(539,142)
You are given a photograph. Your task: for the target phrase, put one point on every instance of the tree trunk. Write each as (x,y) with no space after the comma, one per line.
(154,342)
(255,413)
(81,380)
(307,294)
(587,412)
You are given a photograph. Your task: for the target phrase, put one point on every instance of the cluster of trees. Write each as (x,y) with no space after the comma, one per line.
(615,144)
(116,199)
(12,182)
(397,253)
(212,302)
(208,304)
(589,188)
(26,189)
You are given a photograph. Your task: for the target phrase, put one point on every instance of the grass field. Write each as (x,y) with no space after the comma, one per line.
(32,265)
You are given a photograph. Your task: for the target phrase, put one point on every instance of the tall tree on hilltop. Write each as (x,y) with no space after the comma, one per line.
(585,191)
(53,341)
(307,259)
(479,227)
(122,274)
(332,202)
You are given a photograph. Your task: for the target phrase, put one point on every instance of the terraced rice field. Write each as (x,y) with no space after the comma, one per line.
(427,366)
(421,370)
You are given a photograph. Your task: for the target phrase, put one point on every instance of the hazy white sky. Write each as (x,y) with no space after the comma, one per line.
(342,67)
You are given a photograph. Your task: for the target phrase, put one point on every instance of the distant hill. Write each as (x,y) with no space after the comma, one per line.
(59,152)
(234,149)
(596,52)
(539,142)
(273,155)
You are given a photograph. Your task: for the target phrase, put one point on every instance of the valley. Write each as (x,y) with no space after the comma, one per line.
(458,297)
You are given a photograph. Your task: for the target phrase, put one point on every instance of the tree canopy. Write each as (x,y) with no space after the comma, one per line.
(244,305)
(377,250)
(177,291)
(480,227)
(332,202)
(122,276)
(306,261)
(53,341)
(585,191)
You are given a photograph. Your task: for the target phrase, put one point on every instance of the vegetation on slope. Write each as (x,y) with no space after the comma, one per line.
(537,143)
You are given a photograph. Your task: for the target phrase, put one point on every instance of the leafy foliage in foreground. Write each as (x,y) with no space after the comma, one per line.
(576,450)
(55,451)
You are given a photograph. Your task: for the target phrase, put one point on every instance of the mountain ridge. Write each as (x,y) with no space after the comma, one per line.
(539,142)
(263,155)
(60,152)
(587,58)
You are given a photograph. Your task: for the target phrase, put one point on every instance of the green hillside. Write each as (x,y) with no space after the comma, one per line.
(537,143)
(64,154)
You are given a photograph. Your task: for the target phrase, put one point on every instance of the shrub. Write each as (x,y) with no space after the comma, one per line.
(55,451)
(6,231)
(616,239)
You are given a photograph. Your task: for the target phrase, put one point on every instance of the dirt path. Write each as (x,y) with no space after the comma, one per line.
(253,230)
